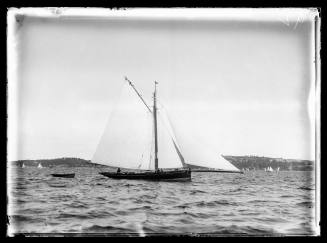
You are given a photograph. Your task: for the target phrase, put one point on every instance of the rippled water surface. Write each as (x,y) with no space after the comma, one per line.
(256,202)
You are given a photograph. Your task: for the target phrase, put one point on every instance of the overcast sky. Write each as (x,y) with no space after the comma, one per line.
(238,86)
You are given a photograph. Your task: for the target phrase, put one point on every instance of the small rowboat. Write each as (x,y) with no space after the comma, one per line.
(64,175)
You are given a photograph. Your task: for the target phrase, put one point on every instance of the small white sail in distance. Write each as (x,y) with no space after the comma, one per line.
(201,156)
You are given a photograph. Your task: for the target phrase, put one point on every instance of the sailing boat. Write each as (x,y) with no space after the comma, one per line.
(23,166)
(269,169)
(39,166)
(150,147)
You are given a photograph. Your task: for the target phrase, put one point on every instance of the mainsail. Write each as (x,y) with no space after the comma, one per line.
(126,141)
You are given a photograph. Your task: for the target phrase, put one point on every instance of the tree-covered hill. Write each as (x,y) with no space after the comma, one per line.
(260,163)
(241,162)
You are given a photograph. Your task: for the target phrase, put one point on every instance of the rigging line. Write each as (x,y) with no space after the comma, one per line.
(169,126)
(131,84)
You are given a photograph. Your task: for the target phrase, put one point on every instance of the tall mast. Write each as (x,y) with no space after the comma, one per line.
(155,127)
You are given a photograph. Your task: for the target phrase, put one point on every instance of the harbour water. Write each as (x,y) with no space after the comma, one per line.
(253,203)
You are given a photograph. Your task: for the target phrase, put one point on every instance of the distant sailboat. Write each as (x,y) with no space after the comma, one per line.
(277,169)
(23,166)
(138,138)
(269,169)
(39,166)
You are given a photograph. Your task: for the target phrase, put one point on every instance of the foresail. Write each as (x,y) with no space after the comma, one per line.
(167,155)
(213,162)
(167,124)
(205,157)
(127,139)
(195,153)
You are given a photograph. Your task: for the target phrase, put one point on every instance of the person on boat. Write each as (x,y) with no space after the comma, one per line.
(118,171)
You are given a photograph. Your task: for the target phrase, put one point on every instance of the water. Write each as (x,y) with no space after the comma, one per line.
(256,202)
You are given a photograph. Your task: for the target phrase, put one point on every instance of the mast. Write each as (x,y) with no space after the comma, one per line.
(155,127)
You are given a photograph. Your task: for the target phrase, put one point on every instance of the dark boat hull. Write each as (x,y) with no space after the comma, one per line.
(179,175)
(64,175)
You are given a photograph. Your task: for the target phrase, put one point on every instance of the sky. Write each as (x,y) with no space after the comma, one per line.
(238,84)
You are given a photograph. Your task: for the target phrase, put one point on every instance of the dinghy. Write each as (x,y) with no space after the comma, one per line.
(72,175)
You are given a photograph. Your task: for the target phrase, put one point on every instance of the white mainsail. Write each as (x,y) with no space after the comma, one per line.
(126,141)
(39,166)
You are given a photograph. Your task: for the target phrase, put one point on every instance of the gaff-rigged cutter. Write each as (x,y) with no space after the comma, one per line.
(138,138)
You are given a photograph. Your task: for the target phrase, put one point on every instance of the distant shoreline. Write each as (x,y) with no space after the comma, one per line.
(241,162)
(260,163)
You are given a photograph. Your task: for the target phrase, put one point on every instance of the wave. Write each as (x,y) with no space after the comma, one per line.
(71,216)
(261,201)
(305,188)
(197,191)
(286,196)
(215,203)
(77,205)
(57,185)
(305,204)
(144,207)
(106,229)
(210,205)
(23,218)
